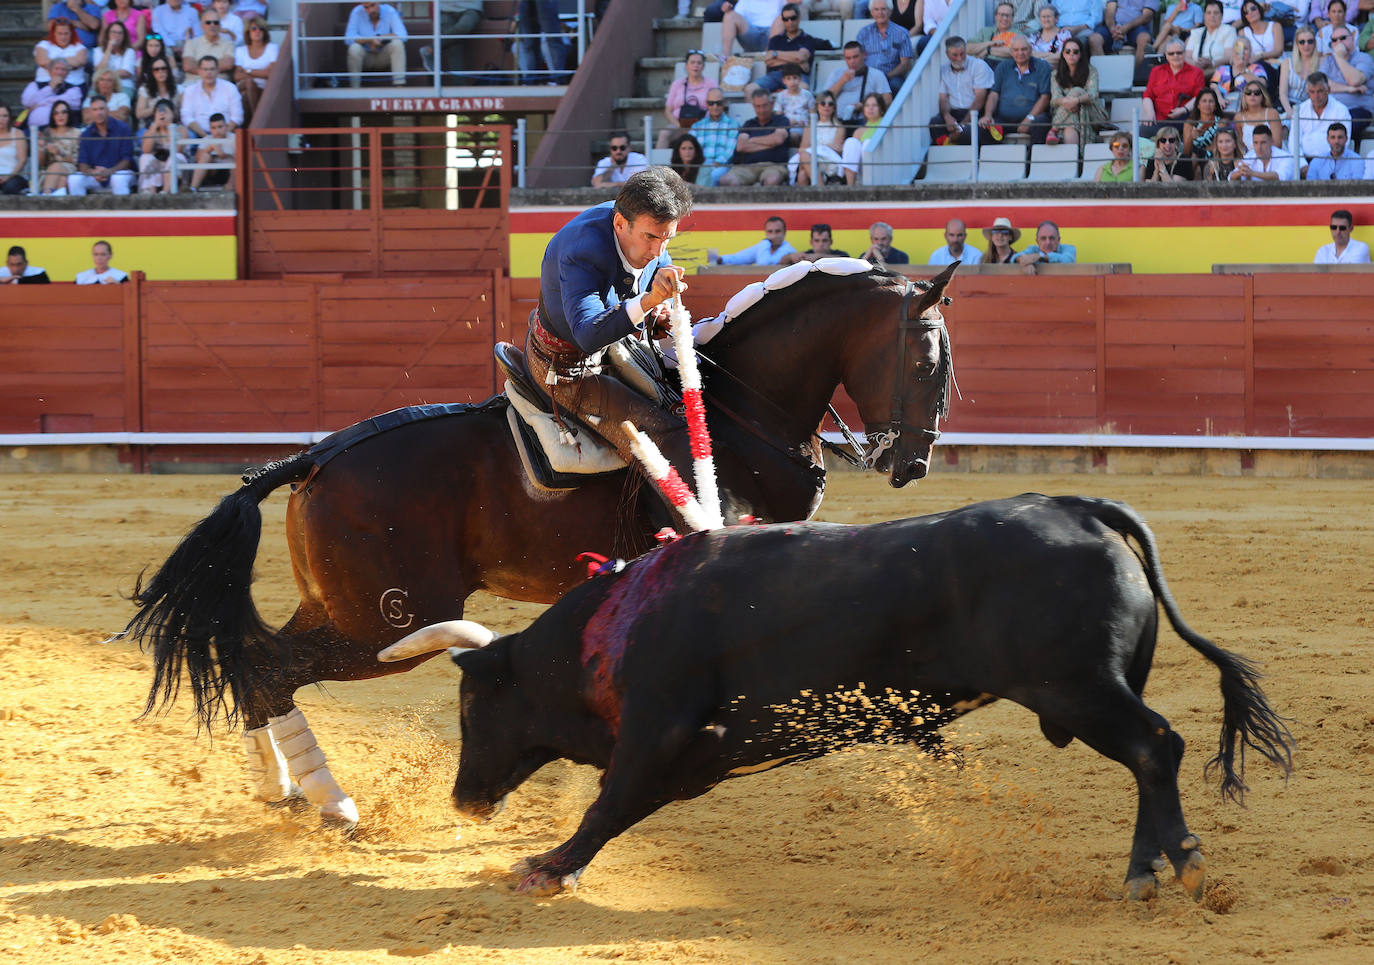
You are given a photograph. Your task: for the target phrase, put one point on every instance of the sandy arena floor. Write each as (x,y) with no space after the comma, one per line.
(129,840)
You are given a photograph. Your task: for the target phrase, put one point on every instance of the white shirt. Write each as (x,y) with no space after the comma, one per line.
(269,57)
(759,13)
(197,106)
(1280,162)
(1356,253)
(634,163)
(1312,129)
(942,256)
(935,11)
(77,75)
(1216,47)
(230,25)
(111,276)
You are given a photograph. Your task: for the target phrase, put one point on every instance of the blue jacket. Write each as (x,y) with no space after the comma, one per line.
(584,284)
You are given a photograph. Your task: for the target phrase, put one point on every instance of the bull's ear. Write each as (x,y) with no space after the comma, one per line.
(489,660)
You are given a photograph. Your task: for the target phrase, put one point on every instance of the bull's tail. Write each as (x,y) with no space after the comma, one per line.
(1248,720)
(197,611)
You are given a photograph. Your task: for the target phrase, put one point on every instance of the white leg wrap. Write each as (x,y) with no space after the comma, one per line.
(307,767)
(266,766)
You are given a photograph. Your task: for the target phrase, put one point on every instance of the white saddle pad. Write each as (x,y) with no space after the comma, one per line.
(588,456)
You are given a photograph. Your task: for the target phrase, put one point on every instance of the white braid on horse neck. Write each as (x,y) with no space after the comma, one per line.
(306,763)
(267,766)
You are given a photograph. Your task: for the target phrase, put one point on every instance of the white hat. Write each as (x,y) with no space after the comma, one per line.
(1003,223)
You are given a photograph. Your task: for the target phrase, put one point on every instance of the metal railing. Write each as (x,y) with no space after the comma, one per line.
(180,153)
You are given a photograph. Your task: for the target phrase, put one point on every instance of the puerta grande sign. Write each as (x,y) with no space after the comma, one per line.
(431,105)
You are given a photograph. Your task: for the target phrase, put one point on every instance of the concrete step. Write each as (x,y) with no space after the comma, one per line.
(23,15)
(677,35)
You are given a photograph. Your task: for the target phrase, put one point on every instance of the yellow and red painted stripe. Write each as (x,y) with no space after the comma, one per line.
(165,245)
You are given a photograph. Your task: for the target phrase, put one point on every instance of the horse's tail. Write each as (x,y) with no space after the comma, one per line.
(1247,718)
(197,611)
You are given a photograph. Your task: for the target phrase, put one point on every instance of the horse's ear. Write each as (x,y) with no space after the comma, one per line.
(935,294)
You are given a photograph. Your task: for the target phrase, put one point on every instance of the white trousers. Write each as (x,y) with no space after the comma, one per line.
(849,158)
(120,183)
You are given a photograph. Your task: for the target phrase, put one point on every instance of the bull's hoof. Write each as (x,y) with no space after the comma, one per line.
(541,884)
(524,866)
(1141,888)
(1193,874)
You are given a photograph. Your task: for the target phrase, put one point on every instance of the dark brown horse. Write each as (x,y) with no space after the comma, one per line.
(401,526)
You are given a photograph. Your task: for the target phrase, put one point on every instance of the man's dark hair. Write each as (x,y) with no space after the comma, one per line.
(1318,79)
(97,97)
(216,117)
(1214,3)
(821,228)
(791,70)
(768,221)
(760,92)
(1261,129)
(616,134)
(108,247)
(953,41)
(1335,124)
(658,192)
(213,60)
(793,7)
(853,45)
(18,250)
(1338,213)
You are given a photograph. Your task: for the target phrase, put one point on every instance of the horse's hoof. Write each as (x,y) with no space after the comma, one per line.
(541,884)
(344,826)
(293,801)
(1193,874)
(1141,888)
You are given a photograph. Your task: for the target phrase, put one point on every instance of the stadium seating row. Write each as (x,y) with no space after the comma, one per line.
(1011,162)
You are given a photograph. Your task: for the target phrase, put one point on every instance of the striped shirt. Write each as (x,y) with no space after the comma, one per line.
(717,144)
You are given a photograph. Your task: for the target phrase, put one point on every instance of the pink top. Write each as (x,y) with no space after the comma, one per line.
(131,21)
(679,92)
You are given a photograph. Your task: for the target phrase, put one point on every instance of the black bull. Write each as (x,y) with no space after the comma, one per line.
(710,658)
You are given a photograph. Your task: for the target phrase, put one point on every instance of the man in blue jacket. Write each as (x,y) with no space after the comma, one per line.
(607,276)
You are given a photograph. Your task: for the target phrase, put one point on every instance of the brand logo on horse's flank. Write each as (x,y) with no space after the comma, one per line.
(393,606)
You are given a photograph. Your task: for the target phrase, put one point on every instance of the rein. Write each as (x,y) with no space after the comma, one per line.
(896,424)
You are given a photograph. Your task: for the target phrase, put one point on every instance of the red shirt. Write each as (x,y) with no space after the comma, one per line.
(1170,91)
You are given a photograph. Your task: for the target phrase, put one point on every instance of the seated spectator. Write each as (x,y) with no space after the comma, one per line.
(1172,87)
(1167,165)
(101,272)
(829,146)
(1350,75)
(1131,24)
(1255,110)
(1342,164)
(1295,69)
(887,47)
(211,95)
(543,33)
(853,150)
(376,38)
(1074,98)
(59,143)
(1046,41)
(1020,95)
(457,18)
(994,41)
(1047,249)
(1230,79)
(218,148)
(137,22)
(688,91)
(1000,237)
(1225,157)
(61,44)
(176,22)
(14,155)
(1264,36)
(964,85)
(718,133)
(251,8)
(1082,18)
(105,161)
(253,64)
(822,246)
(155,157)
(212,44)
(1316,115)
(1336,12)
(40,97)
(1181,19)
(749,21)
(231,25)
(954,249)
(106,85)
(1120,169)
(790,46)
(1342,249)
(1264,161)
(18,271)
(687,158)
(156,86)
(115,54)
(152,49)
(1210,45)
(794,102)
(84,16)
(880,250)
(760,148)
(843,8)
(616,167)
(852,80)
(1200,130)
(770,251)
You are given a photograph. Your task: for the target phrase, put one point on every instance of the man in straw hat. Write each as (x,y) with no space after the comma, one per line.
(1001,237)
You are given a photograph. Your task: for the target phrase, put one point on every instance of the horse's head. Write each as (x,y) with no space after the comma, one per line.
(902,394)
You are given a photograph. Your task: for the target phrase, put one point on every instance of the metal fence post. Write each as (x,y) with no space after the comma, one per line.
(648,135)
(1135,141)
(973,131)
(172,156)
(520,152)
(33,160)
(815,158)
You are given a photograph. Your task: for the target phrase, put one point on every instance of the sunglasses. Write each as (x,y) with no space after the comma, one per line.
(999,231)
(1305,41)
(162,69)
(620,147)
(1340,227)
(152,36)
(793,17)
(210,23)
(1167,140)
(1341,37)
(1253,92)
(699,53)
(715,103)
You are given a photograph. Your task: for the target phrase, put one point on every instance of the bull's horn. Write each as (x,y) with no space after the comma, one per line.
(463,634)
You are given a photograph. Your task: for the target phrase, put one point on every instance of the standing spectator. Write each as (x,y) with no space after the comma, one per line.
(213,44)
(794,102)
(1001,237)
(1047,248)
(541,17)
(1121,168)
(688,91)
(954,249)
(115,54)
(829,145)
(212,95)
(880,250)
(106,85)
(994,41)
(687,158)
(1172,86)
(1225,157)
(751,21)
(253,64)
(155,157)
(230,24)
(770,251)
(964,85)
(376,38)
(1020,95)
(84,16)
(1129,23)
(457,18)
(176,22)
(1046,42)
(760,148)
(1294,70)
(1264,162)
(1336,13)
(159,86)
(1343,249)
(1182,18)
(1255,109)
(1316,115)
(1073,95)
(1342,164)
(218,148)
(616,167)
(102,272)
(887,47)
(106,157)
(61,44)
(59,143)
(790,46)
(18,271)
(1350,73)
(14,155)
(39,97)
(718,133)
(1167,165)
(1082,18)
(135,21)
(1210,45)
(850,82)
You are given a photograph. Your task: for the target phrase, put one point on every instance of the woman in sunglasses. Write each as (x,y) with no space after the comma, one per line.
(1167,165)
(1255,109)
(157,86)
(830,136)
(1293,70)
